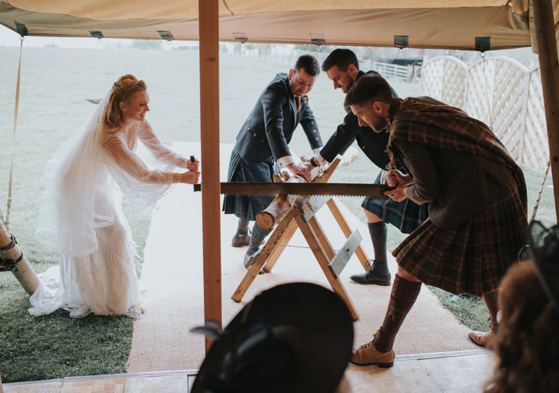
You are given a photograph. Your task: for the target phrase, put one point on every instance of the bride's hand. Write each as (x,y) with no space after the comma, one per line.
(190,177)
(192,166)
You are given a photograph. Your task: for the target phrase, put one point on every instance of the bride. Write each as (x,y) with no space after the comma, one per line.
(82,211)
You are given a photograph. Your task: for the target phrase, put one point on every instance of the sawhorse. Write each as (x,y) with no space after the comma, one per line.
(302,216)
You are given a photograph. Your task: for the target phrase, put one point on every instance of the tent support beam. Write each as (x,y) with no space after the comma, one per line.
(549,68)
(209,122)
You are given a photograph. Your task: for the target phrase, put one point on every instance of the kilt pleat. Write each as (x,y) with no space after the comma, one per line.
(241,171)
(473,257)
(406,215)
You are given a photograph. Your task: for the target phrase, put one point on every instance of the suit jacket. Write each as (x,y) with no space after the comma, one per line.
(456,184)
(270,126)
(373,144)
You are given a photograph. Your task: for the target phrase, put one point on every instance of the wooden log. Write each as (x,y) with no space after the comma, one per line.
(282,205)
(26,275)
(549,68)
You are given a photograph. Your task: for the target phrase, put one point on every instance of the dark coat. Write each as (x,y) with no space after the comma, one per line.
(373,144)
(454,181)
(270,126)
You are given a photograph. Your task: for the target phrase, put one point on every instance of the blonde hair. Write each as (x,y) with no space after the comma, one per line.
(122,90)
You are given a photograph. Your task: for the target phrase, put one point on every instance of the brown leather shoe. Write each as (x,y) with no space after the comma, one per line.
(240,239)
(481,338)
(368,355)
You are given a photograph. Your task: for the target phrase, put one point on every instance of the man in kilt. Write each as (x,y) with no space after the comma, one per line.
(262,142)
(477,205)
(342,67)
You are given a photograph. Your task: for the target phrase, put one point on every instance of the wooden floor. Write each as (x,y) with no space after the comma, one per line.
(449,372)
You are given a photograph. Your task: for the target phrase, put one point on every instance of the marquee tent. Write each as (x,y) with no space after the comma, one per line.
(450,24)
(447,24)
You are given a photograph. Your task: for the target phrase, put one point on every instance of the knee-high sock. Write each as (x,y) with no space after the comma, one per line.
(491,301)
(242,226)
(403,296)
(256,238)
(378,236)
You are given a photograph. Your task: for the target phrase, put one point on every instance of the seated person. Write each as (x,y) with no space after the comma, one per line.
(527,343)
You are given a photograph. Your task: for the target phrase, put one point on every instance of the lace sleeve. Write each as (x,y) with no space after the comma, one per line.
(158,149)
(130,163)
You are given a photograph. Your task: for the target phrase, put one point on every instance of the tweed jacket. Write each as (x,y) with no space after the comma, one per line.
(457,163)
(270,126)
(373,144)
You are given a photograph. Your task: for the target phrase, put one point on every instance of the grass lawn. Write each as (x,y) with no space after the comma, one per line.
(54,85)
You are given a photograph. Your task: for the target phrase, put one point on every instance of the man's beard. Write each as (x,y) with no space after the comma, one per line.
(380,124)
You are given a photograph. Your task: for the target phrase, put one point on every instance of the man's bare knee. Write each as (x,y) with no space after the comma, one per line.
(371,217)
(406,276)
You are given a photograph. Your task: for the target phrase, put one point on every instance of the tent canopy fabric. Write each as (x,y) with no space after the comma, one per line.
(444,24)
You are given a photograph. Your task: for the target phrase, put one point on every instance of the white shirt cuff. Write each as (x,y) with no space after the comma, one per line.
(319,159)
(285,161)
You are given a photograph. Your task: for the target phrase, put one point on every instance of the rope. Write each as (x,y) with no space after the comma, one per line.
(7,220)
(540,193)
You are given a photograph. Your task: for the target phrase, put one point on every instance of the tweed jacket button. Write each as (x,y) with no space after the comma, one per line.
(314,131)
(262,140)
(312,123)
(317,139)
(255,134)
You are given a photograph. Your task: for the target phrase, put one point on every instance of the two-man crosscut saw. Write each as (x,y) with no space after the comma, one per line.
(304,189)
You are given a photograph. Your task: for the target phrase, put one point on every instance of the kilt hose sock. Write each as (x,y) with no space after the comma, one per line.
(242,226)
(491,301)
(257,237)
(378,237)
(403,296)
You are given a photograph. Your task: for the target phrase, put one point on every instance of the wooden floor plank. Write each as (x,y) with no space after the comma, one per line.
(447,374)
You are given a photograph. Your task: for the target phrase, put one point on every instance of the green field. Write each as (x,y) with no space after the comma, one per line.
(54,85)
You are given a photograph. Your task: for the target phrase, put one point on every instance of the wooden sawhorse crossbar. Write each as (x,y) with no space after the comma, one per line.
(302,216)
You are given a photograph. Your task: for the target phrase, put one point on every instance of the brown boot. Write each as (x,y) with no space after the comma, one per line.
(483,338)
(368,355)
(240,239)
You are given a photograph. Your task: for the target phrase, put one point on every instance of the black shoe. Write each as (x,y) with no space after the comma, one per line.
(372,277)
(240,239)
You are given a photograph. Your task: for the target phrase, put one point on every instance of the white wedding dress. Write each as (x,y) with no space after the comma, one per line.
(82,214)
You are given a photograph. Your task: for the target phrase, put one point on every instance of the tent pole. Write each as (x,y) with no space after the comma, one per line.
(549,68)
(209,121)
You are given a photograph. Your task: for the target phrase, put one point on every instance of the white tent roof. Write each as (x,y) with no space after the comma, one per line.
(447,24)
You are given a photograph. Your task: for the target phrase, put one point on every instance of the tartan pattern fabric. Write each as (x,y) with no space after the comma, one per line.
(425,120)
(241,171)
(473,257)
(407,216)
(403,296)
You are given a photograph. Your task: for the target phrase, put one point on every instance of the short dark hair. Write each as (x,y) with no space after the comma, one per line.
(368,88)
(341,58)
(309,64)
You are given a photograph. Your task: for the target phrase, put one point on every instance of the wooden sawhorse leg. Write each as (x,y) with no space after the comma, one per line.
(323,253)
(258,261)
(347,232)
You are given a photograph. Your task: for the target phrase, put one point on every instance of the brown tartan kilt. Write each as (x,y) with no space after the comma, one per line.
(473,257)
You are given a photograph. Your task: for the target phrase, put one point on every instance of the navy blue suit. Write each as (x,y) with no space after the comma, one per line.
(263,139)
(270,126)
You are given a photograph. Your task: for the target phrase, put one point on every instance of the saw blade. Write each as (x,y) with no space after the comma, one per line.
(305,189)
